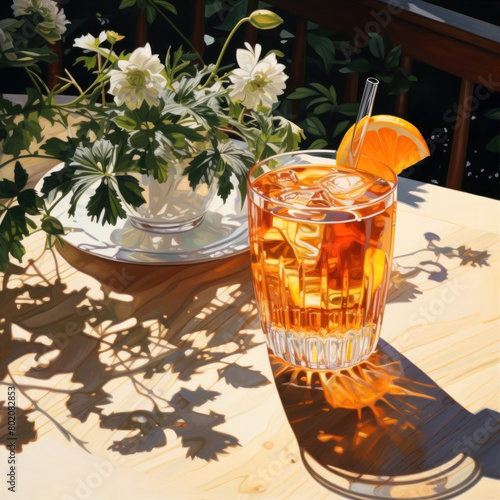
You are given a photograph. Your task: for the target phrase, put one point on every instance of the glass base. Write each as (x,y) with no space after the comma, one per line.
(162,227)
(322,353)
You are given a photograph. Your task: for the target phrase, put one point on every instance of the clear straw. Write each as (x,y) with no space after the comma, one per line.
(364,113)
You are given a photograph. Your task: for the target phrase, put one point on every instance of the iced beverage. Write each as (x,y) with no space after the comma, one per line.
(321,238)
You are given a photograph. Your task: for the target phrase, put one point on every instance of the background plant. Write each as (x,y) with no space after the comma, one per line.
(324,118)
(162,114)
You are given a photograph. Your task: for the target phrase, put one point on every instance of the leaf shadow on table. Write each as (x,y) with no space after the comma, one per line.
(409,194)
(384,429)
(175,325)
(432,262)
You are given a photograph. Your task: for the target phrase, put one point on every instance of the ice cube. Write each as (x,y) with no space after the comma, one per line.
(305,239)
(298,197)
(277,246)
(287,178)
(321,198)
(346,186)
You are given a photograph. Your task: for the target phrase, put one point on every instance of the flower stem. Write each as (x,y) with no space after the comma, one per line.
(99,67)
(224,48)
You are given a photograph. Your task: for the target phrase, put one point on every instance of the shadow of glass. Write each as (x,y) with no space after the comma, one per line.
(384,429)
(146,323)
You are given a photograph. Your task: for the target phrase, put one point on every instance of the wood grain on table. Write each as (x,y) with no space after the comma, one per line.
(154,382)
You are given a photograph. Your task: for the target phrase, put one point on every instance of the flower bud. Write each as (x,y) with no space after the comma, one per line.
(265,19)
(113,36)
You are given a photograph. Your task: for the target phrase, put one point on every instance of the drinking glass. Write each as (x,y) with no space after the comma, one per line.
(321,244)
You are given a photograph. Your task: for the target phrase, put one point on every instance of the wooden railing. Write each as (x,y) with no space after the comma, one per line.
(452,42)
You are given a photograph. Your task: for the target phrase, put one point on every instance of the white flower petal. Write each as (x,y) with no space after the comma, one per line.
(138,79)
(50,21)
(257,83)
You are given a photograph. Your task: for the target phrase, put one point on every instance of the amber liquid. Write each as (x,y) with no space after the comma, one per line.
(321,246)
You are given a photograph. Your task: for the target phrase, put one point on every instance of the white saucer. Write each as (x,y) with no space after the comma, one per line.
(222,233)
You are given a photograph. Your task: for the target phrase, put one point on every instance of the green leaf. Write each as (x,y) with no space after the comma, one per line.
(141,139)
(213,7)
(186,132)
(340,127)
(376,45)
(322,89)
(130,190)
(126,3)
(8,189)
(166,5)
(279,53)
(52,226)
(324,108)
(58,181)
(302,93)
(155,166)
(90,62)
(348,109)
(52,240)
(401,82)
(237,11)
(17,250)
(20,137)
(225,186)
(32,56)
(13,226)
(316,101)
(494,114)
(59,149)
(494,145)
(386,78)
(393,58)
(314,126)
(324,47)
(150,14)
(318,144)
(84,127)
(357,66)
(105,202)
(20,176)
(28,200)
(333,94)
(202,167)
(126,122)
(30,223)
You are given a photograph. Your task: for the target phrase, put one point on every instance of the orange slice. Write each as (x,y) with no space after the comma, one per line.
(389,140)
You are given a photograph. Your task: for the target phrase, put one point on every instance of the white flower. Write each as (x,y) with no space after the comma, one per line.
(89,43)
(138,79)
(257,82)
(6,45)
(23,7)
(49,21)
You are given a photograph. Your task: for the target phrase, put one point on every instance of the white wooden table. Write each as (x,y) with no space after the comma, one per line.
(154,383)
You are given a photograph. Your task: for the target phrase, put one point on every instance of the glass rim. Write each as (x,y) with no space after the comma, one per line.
(393,180)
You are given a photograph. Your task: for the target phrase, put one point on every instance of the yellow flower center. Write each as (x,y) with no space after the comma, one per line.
(136,78)
(258,82)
